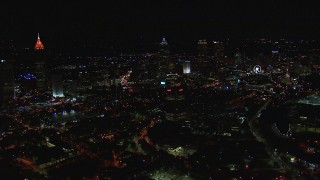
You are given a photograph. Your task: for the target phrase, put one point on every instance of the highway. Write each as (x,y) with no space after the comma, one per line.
(268,147)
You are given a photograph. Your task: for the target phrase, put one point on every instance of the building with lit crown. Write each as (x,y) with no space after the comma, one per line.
(39,45)
(165,64)
(40,65)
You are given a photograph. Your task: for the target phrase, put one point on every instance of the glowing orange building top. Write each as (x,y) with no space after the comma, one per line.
(39,45)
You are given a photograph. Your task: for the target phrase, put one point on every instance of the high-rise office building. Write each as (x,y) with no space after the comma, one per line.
(202,48)
(57,85)
(40,73)
(218,50)
(39,45)
(216,53)
(175,104)
(186,67)
(237,59)
(7,57)
(174,101)
(165,64)
(164,48)
(6,80)
(40,65)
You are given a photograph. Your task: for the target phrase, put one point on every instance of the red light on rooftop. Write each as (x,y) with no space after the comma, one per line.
(39,45)
(180,90)
(168,90)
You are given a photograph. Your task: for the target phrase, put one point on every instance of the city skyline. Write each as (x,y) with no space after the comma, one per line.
(125,22)
(159,90)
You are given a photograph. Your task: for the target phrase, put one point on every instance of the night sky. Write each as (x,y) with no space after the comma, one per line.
(130,23)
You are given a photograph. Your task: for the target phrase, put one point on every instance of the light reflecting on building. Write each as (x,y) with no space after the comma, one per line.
(57,88)
(186,67)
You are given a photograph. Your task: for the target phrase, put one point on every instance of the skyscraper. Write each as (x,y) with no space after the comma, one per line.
(6,80)
(7,57)
(186,67)
(164,60)
(40,65)
(216,55)
(164,48)
(175,101)
(39,45)
(218,50)
(237,59)
(202,48)
(57,86)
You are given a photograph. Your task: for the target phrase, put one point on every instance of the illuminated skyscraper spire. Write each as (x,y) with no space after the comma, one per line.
(39,45)
(164,42)
(164,48)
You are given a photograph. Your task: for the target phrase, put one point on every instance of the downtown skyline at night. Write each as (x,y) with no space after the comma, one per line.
(130,23)
(160,90)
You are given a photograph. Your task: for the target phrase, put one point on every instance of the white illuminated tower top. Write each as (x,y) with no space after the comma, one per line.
(164,42)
